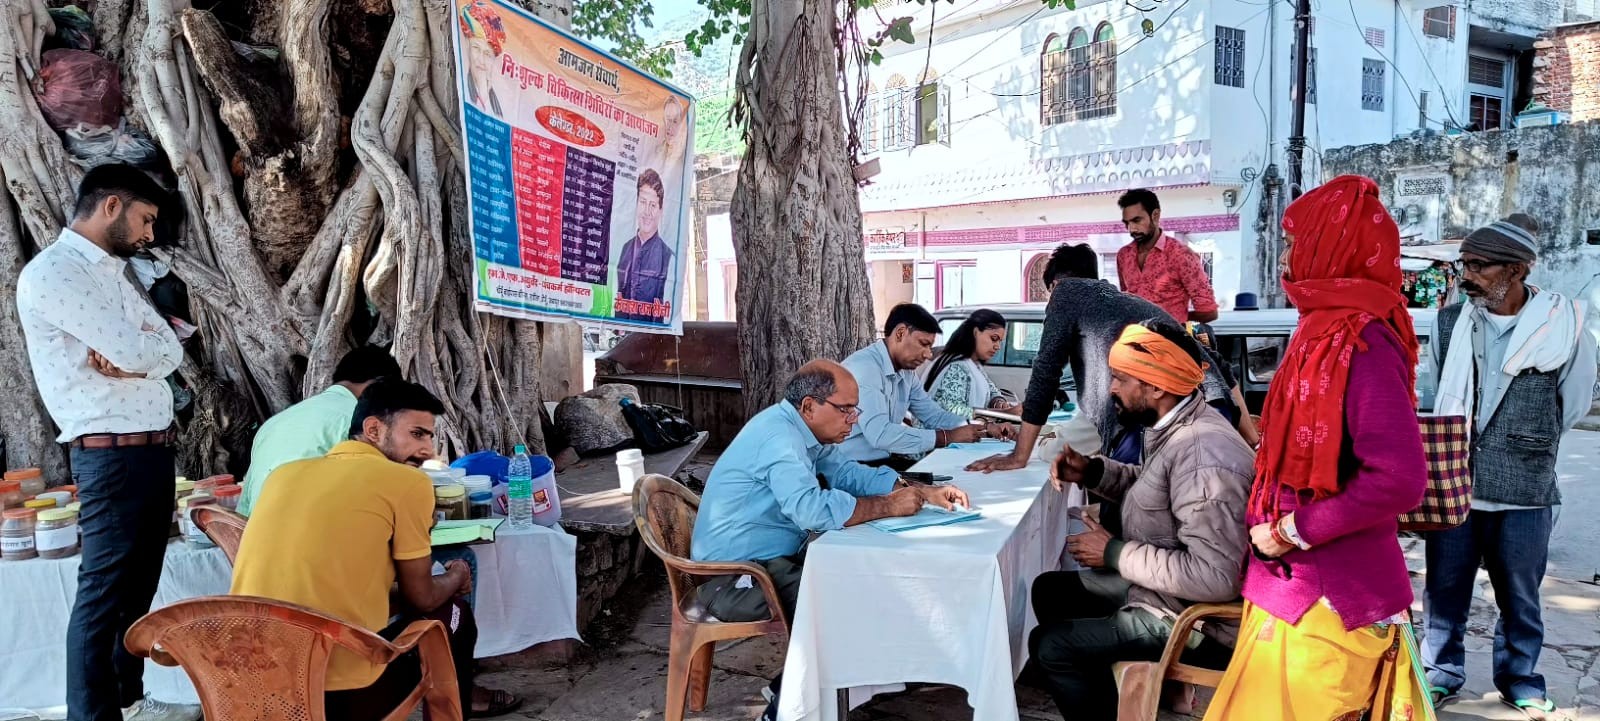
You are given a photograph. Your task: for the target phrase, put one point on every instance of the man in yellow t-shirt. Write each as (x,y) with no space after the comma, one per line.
(336,533)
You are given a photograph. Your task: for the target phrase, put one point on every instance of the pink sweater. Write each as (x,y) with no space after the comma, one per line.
(1355,560)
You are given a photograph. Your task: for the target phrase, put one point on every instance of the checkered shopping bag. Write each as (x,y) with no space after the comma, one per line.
(1446,444)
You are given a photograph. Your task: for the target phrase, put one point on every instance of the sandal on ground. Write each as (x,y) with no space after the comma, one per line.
(500,704)
(1537,709)
(1442,696)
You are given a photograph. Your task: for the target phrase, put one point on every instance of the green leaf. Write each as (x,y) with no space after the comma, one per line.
(900,29)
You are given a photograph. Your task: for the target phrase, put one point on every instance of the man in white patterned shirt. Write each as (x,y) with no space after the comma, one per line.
(101,354)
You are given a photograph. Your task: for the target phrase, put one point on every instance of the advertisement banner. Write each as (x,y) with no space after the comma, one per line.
(578,173)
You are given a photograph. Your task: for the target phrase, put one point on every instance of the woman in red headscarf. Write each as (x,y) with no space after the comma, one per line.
(1341,457)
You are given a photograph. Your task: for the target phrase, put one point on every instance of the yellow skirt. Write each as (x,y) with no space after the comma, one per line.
(1318,671)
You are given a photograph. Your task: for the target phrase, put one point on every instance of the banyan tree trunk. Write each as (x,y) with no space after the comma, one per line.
(324,206)
(802,290)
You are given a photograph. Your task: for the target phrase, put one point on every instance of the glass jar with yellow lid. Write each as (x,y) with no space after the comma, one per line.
(56,533)
(450,502)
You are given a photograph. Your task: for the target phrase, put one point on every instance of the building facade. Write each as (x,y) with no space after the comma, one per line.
(1010,127)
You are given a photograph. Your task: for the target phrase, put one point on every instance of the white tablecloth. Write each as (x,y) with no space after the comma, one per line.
(945,605)
(527,594)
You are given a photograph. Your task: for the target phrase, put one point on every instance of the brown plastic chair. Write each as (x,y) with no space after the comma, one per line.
(665,512)
(1139,683)
(255,658)
(224,527)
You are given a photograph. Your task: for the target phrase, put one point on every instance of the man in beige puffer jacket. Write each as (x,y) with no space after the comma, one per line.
(1183,534)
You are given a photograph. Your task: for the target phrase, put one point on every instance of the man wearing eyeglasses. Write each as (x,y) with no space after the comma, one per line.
(764,498)
(1516,363)
(890,389)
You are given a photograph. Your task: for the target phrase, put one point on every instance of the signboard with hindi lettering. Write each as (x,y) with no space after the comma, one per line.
(578,173)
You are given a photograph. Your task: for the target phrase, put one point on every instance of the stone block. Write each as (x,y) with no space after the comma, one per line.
(594,421)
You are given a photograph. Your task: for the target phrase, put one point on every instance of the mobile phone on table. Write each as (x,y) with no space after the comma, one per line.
(925,478)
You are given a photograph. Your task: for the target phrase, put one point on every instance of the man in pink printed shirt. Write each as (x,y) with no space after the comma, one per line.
(1159,267)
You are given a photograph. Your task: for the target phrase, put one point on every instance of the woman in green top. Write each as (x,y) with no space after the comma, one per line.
(956,379)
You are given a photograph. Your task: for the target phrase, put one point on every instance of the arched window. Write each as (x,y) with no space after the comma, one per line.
(1078,77)
(1103,68)
(899,114)
(1053,81)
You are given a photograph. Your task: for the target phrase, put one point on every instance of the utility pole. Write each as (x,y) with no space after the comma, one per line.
(1297,121)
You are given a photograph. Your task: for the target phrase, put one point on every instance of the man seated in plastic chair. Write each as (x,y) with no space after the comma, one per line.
(312,427)
(764,499)
(1182,540)
(335,534)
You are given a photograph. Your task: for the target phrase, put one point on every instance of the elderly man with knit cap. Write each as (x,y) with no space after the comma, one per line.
(1183,535)
(1515,361)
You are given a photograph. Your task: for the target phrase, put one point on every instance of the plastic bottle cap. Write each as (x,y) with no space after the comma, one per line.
(23,474)
(74,506)
(39,504)
(10,486)
(449,490)
(481,497)
(226,491)
(520,449)
(57,514)
(181,479)
(183,487)
(15,514)
(628,455)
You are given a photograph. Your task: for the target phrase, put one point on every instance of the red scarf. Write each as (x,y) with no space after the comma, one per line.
(1344,272)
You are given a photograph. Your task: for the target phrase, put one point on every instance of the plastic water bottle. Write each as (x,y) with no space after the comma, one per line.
(519,490)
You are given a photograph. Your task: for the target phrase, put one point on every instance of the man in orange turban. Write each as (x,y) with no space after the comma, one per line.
(1182,540)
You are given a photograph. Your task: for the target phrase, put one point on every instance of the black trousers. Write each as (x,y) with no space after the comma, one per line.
(1085,628)
(126,518)
(400,678)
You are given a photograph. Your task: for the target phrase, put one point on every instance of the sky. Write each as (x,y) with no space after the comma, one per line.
(669,10)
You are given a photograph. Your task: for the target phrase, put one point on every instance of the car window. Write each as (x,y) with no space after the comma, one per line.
(1265,355)
(946,327)
(1022,343)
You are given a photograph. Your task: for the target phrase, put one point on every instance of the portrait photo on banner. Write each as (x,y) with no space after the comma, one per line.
(579,175)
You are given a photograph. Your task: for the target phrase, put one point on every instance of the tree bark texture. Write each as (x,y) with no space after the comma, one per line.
(802,289)
(324,203)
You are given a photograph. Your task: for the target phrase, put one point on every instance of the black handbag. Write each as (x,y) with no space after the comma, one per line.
(658,427)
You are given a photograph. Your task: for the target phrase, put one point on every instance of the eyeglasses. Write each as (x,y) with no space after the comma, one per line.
(1478,266)
(848,411)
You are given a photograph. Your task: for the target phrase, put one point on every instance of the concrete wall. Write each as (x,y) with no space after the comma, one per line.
(1551,173)
(1525,17)
(1566,73)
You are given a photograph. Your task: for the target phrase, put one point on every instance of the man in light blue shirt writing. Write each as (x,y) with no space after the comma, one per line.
(887,372)
(765,495)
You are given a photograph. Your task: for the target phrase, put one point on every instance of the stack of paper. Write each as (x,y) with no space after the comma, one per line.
(927,517)
(455,533)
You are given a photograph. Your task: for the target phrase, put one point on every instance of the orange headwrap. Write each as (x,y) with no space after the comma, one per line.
(1146,355)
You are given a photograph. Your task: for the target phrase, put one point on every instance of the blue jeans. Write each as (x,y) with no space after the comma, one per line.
(1513,546)
(126,518)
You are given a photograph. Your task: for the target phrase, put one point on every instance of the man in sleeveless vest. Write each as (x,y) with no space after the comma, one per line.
(1517,363)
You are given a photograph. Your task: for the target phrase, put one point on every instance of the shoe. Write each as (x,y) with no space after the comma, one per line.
(149,709)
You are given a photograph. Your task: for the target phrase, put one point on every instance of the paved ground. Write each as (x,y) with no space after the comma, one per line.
(621,675)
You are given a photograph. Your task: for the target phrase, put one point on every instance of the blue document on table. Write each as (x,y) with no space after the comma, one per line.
(987,444)
(928,517)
